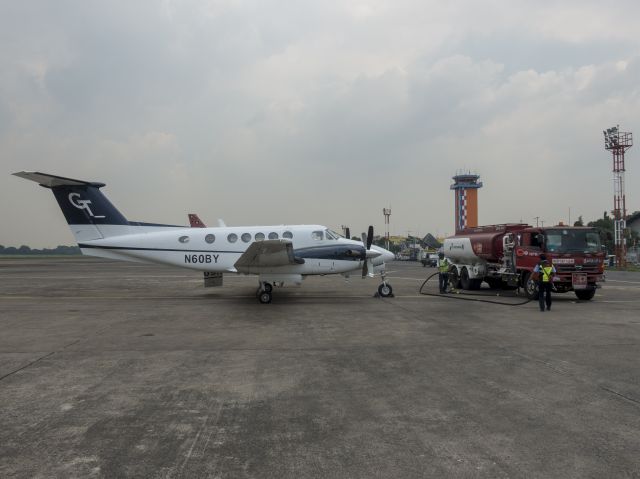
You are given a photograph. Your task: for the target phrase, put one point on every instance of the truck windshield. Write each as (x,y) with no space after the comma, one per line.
(572,241)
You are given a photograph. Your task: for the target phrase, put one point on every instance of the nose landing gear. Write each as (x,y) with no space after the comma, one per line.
(384,290)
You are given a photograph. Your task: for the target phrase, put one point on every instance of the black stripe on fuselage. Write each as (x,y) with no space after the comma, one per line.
(329,252)
(129,248)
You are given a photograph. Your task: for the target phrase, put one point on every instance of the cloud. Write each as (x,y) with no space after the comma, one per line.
(264,112)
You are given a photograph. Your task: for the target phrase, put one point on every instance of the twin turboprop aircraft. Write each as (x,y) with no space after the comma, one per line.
(276,254)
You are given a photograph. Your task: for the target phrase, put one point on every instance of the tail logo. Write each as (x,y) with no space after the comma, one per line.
(75,200)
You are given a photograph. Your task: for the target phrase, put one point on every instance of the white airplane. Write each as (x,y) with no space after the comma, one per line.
(277,254)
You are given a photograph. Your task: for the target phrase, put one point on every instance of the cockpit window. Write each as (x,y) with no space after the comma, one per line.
(331,235)
(317,235)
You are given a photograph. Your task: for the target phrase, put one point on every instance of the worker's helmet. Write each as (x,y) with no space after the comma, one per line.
(440,255)
(543,257)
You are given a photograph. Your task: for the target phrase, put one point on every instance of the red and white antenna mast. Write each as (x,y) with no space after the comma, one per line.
(617,142)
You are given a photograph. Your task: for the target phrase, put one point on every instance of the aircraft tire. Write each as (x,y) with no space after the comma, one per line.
(385,290)
(264,297)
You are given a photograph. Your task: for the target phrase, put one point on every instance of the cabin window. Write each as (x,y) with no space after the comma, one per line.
(273,235)
(317,235)
(536,240)
(287,234)
(210,238)
(246,237)
(183,239)
(259,236)
(232,238)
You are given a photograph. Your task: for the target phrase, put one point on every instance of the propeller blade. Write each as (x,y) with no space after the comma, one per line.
(364,239)
(347,232)
(369,237)
(365,269)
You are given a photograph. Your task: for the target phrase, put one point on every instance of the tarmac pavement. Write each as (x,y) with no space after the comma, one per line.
(114,369)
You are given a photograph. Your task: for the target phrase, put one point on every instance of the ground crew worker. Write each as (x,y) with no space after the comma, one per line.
(545,273)
(443,270)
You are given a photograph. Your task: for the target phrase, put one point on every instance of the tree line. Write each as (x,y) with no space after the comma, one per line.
(605,227)
(26,250)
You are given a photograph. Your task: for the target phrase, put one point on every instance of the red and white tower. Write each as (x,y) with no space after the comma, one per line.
(617,142)
(466,187)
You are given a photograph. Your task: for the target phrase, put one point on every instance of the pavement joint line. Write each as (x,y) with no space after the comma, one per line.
(27,365)
(624,396)
(39,359)
(621,281)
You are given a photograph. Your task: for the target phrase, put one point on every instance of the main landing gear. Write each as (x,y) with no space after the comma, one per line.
(264,292)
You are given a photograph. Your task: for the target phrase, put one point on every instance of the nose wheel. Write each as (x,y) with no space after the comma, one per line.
(384,290)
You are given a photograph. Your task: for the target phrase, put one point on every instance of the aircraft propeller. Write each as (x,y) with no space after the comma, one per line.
(368,254)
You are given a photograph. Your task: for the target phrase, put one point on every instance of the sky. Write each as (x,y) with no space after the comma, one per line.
(318,112)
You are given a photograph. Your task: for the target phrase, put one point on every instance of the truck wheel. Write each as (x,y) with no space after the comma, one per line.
(468,283)
(585,294)
(454,279)
(530,286)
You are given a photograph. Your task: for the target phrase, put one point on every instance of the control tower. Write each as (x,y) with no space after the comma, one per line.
(465,186)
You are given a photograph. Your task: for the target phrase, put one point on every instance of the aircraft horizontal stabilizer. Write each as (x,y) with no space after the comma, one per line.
(51,181)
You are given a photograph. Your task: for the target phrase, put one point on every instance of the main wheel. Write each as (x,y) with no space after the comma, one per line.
(267,287)
(385,290)
(454,279)
(466,282)
(530,286)
(265,297)
(585,294)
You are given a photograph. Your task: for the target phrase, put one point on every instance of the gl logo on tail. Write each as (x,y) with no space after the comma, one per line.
(82,204)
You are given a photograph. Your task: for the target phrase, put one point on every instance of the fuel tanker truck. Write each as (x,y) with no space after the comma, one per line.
(504,256)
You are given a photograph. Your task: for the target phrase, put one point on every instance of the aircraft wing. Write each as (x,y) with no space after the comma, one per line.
(267,254)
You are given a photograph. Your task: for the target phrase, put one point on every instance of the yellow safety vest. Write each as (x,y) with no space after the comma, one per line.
(444,265)
(546,273)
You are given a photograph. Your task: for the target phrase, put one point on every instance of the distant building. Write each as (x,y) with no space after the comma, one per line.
(431,242)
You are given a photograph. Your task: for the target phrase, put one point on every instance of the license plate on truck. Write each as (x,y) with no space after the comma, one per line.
(579,281)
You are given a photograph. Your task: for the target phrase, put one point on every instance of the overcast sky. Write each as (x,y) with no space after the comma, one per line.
(271,112)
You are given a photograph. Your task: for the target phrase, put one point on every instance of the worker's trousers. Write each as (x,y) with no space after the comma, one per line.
(443,279)
(544,294)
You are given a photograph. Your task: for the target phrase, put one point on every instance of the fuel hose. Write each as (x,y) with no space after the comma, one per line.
(457,294)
